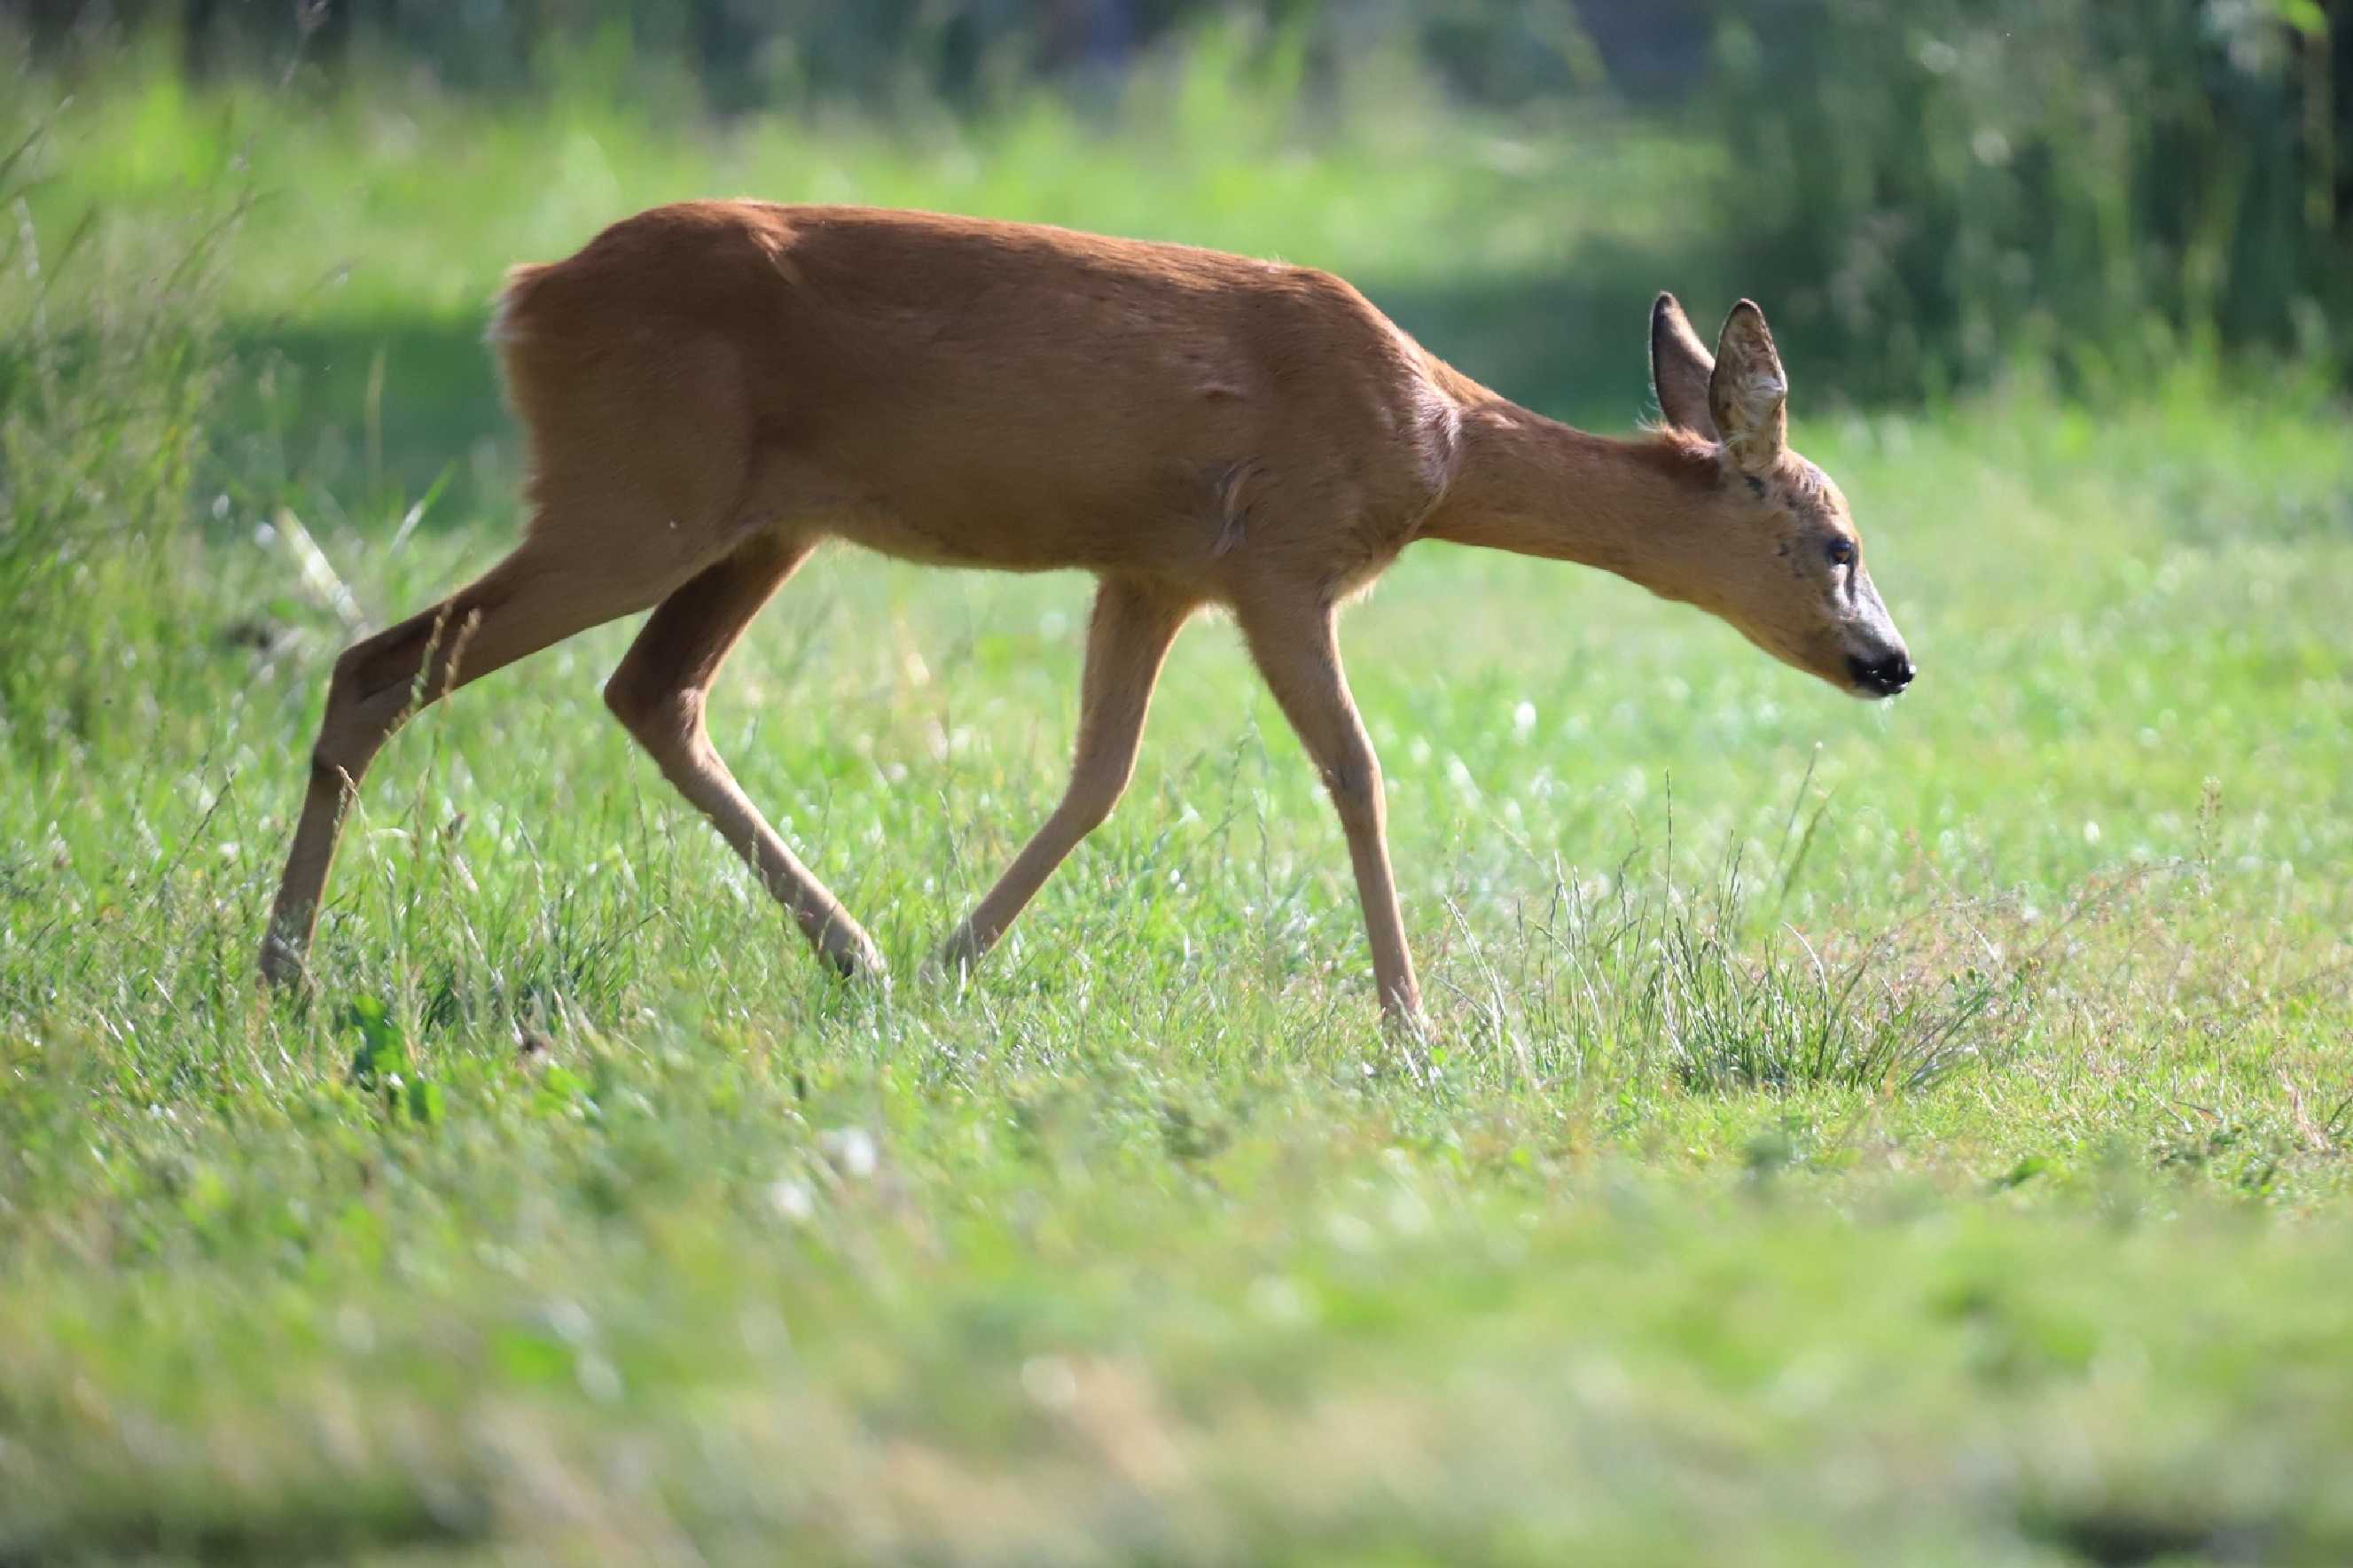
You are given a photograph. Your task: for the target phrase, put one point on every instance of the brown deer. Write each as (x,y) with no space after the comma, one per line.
(711,389)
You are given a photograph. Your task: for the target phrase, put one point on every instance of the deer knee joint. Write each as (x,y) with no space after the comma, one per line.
(1354,786)
(350,733)
(335,769)
(663,718)
(1091,795)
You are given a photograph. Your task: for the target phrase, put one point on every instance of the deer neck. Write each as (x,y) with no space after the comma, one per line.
(1536,487)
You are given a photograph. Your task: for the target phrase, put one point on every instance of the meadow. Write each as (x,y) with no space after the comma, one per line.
(1914,1132)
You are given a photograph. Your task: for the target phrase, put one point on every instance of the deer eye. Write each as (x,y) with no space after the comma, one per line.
(1840,551)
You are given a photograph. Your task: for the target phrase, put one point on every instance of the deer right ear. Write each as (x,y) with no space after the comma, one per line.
(1749,394)
(1681,368)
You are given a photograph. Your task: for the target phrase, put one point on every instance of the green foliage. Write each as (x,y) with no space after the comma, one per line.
(110,367)
(1928,191)
(885,56)
(1908,1134)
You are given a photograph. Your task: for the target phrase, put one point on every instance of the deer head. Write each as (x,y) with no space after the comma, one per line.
(1786,564)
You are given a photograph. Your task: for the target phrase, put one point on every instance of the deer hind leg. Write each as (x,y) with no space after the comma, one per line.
(659,693)
(1299,654)
(536,596)
(1127,640)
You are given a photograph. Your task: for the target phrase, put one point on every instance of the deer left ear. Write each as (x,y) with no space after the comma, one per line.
(1750,393)
(1680,368)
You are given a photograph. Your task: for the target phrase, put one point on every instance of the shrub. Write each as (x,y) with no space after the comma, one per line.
(1929,188)
(111,361)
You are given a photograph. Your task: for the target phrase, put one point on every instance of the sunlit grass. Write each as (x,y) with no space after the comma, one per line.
(1901,1133)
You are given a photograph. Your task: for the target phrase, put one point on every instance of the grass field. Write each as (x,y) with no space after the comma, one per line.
(1911,1134)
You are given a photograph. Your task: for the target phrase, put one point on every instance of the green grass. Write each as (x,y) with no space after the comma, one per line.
(1856,1134)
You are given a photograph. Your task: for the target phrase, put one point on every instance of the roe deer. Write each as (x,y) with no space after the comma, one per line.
(710,389)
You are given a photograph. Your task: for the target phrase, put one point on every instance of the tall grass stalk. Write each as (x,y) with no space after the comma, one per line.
(112,363)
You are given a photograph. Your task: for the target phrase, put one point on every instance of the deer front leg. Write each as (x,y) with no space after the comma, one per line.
(1127,641)
(1297,646)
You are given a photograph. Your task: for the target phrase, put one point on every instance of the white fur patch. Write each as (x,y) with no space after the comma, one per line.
(501,329)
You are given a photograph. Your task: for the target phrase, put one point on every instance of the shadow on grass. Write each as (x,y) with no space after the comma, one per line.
(375,411)
(1574,347)
(370,1516)
(371,412)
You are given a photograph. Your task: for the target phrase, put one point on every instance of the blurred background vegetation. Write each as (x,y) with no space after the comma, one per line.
(1928,191)
(1807,1163)
(1933,198)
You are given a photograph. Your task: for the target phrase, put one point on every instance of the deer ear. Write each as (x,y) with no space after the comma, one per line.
(1680,368)
(1749,393)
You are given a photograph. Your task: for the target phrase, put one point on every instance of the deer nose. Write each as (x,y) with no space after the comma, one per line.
(1883,678)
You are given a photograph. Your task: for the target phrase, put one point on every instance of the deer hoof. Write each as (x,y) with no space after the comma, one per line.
(863,963)
(282,968)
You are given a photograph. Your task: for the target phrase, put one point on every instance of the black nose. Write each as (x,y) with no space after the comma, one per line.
(1884,677)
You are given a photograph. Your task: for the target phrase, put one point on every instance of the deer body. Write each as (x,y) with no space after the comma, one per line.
(710,390)
(970,393)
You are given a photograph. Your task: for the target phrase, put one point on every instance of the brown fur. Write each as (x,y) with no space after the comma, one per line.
(709,389)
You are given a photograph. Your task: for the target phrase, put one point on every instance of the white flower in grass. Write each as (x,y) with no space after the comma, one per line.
(852,1151)
(792,1199)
